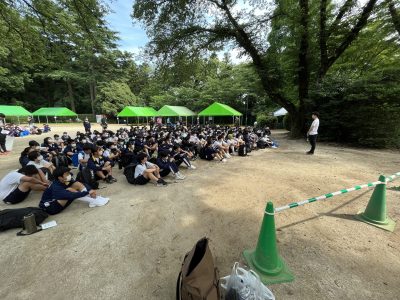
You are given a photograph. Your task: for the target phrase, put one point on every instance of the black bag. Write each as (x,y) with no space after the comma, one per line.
(198,279)
(13,218)
(242,150)
(129,173)
(60,161)
(88,177)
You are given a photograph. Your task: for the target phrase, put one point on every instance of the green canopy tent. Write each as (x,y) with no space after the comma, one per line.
(137,111)
(14,111)
(53,112)
(219,110)
(175,111)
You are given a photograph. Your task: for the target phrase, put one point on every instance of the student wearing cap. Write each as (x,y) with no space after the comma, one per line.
(16,185)
(64,191)
(146,171)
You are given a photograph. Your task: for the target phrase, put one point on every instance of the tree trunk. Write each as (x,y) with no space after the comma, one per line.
(71,96)
(92,97)
(322,39)
(303,68)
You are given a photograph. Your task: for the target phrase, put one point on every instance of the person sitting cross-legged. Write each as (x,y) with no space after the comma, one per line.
(17,185)
(65,190)
(146,171)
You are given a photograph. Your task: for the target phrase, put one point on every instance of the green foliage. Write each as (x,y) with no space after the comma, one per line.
(113,96)
(266,120)
(362,112)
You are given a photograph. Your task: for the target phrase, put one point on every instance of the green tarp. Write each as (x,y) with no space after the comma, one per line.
(134,111)
(219,109)
(175,111)
(14,111)
(54,112)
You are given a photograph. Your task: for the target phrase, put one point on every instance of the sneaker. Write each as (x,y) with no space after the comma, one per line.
(179,176)
(108,180)
(113,179)
(99,201)
(223,160)
(309,153)
(161,182)
(192,167)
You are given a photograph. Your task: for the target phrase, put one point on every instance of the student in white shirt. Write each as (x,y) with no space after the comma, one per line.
(16,185)
(146,171)
(36,159)
(312,133)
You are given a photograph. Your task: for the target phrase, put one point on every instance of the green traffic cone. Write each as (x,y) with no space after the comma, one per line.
(265,260)
(375,213)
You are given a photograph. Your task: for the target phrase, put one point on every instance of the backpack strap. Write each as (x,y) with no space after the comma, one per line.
(179,286)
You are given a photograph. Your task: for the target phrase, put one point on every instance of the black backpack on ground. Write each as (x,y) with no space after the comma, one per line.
(13,218)
(60,161)
(242,150)
(129,173)
(88,177)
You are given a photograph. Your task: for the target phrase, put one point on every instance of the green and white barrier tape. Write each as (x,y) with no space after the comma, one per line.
(330,195)
(391,178)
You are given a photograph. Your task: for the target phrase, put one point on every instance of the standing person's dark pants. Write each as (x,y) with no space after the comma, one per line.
(313,142)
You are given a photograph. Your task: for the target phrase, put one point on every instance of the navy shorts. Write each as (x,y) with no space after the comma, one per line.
(16,196)
(141,180)
(52,207)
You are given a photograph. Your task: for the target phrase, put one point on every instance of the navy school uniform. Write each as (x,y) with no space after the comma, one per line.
(58,191)
(166,167)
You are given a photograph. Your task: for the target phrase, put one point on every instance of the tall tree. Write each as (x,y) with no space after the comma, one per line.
(191,27)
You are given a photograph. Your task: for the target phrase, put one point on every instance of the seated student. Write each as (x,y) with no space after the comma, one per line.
(65,137)
(64,191)
(70,150)
(210,153)
(101,167)
(146,171)
(58,141)
(84,156)
(16,185)
(37,160)
(150,146)
(221,146)
(181,156)
(111,153)
(23,159)
(167,165)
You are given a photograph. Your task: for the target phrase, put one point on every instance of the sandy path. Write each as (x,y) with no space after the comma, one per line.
(133,247)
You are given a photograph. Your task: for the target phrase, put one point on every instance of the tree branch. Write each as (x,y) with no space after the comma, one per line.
(352,35)
(243,39)
(342,11)
(395,16)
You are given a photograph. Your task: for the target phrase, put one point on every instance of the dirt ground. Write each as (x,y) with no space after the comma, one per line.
(133,247)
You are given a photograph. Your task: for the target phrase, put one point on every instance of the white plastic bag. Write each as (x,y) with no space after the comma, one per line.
(244,285)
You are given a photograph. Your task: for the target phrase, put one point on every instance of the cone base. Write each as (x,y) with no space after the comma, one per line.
(284,275)
(388,225)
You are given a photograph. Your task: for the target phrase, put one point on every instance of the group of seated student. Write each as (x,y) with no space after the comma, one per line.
(57,194)
(155,154)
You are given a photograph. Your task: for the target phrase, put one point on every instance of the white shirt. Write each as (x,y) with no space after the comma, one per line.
(140,168)
(9,183)
(41,164)
(314,127)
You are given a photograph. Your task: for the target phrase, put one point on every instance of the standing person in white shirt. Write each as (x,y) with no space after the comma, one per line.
(312,133)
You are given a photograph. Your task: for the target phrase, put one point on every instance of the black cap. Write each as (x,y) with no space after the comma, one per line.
(60,171)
